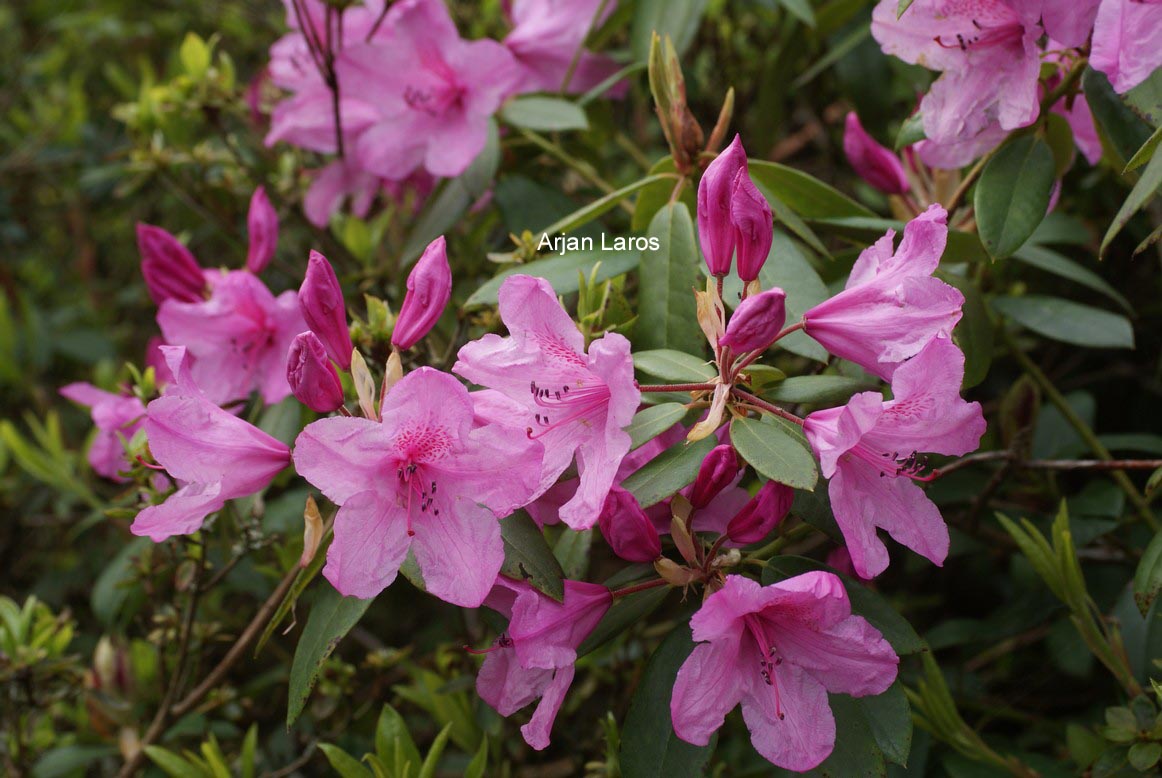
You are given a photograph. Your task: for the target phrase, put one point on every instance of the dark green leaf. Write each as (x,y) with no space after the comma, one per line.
(1012,194)
(677,18)
(527,556)
(777,450)
(890,718)
(544,113)
(1121,127)
(856,754)
(653,421)
(911,131)
(667,279)
(624,613)
(817,389)
(792,221)
(563,272)
(801,10)
(806,195)
(654,197)
(332,617)
(974,332)
(111,588)
(668,472)
(649,746)
(69,760)
(1068,321)
(572,551)
(343,763)
(1146,153)
(589,212)
(1142,193)
(1052,262)
(1148,578)
(676,366)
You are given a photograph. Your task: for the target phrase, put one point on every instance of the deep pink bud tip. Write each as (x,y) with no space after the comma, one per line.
(170,270)
(874,163)
(756,322)
(716,231)
(627,529)
(262,227)
(321,301)
(718,471)
(429,287)
(759,516)
(311,376)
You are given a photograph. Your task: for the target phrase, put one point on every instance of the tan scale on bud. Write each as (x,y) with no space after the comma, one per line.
(711,314)
(713,420)
(392,373)
(682,540)
(673,573)
(364,385)
(312,531)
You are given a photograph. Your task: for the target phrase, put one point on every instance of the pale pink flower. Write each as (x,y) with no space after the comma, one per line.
(778,651)
(1127,41)
(570,400)
(117,418)
(238,338)
(425,479)
(214,455)
(548,34)
(534,658)
(871,451)
(891,306)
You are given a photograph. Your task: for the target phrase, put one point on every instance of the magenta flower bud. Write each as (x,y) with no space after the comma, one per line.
(753,226)
(716,231)
(756,322)
(429,287)
(874,163)
(262,227)
(170,270)
(758,517)
(321,301)
(718,471)
(627,528)
(312,378)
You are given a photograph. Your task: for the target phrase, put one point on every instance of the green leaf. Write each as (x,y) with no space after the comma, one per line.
(962,246)
(442,212)
(678,19)
(332,616)
(801,10)
(624,613)
(890,718)
(393,741)
(249,749)
(194,55)
(527,556)
(174,765)
(428,769)
(817,389)
(676,366)
(111,589)
(653,421)
(903,6)
(477,179)
(1119,125)
(564,272)
(806,195)
(667,279)
(1142,193)
(1067,321)
(654,197)
(911,131)
(974,332)
(601,205)
(544,113)
(777,450)
(1146,153)
(1050,261)
(1013,194)
(1145,99)
(649,746)
(791,220)
(856,754)
(66,761)
(343,763)
(668,472)
(1148,578)
(479,763)
(572,551)
(1143,756)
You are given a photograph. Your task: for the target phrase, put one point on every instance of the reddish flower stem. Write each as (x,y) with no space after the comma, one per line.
(675,387)
(637,588)
(766,406)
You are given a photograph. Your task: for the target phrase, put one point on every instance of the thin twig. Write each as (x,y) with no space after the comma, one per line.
(766,406)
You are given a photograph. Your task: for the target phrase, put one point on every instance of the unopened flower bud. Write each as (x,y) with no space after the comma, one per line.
(756,322)
(312,378)
(716,231)
(262,227)
(718,471)
(170,270)
(321,301)
(753,226)
(111,671)
(429,287)
(627,529)
(874,163)
(759,516)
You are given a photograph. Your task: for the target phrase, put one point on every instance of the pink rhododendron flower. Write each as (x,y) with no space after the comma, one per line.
(1067,21)
(170,270)
(988,53)
(429,288)
(534,658)
(874,163)
(1127,41)
(262,231)
(546,36)
(433,92)
(214,455)
(869,449)
(891,306)
(239,337)
(423,479)
(117,418)
(336,183)
(570,400)
(778,650)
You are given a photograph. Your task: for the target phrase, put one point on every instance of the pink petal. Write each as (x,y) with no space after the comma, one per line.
(805,735)
(536,732)
(459,551)
(182,513)
(708,686)
(508,687)
(370,544)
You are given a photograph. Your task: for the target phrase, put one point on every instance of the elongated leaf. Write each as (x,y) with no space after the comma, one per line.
(653,198)
(1013,194)
(332,617)
(393,740)
(1148,578)
(625,612)
(544,113)
(668,472)
(563,272)
(817,389)
(856,754)
(428,769)
(649,746)
(667,279)
(890,718)
(776,451)
(1067,321)
(653,421)
(676,366)
(1050,261)
(806,195)
(528,557)
(801,10)
(677,18)
(792,221)
(1142,193)
(1121,127)
(601,205)
(1146,153)
(343,763)
(174,765)
(974,332)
